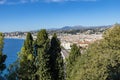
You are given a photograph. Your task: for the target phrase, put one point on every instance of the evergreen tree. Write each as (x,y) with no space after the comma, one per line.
(73,55)
(2,56)
(26,59)
(28,44)
(42,60)
(101,61)
(12,71)
(56,60)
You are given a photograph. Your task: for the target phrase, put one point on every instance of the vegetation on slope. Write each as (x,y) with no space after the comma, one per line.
(101,61)
(2,56)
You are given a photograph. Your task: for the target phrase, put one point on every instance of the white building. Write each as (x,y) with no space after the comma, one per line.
(66,45)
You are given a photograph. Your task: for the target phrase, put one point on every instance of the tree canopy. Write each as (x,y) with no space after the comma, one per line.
(2,56)
(101,61)
(71,61)
(26,59)
(43,57)
(56,60)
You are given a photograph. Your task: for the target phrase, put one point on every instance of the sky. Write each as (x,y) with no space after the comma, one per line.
(26,15)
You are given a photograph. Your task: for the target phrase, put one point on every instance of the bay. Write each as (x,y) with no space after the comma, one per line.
(11,49)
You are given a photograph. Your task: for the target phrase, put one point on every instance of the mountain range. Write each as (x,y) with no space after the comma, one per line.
(80,27)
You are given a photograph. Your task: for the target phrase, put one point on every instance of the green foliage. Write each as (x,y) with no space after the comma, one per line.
(28,44)
(1,43)
(42,60)
(13,69)
(38,60)
(42,37)
(74,53)
(101,61)
(2,56)
(111,37)
(56,60)
(26,59)
(71,61)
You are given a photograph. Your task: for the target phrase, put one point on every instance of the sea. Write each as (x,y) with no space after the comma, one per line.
(11,48)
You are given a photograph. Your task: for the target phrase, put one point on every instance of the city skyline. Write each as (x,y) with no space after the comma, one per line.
(25,15)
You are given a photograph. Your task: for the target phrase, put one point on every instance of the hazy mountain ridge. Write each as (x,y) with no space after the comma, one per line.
(83,27)
(80,29)
(66,29)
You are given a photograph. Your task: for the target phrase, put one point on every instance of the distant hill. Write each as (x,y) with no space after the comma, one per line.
(72,27)
(81,27)
(65,29)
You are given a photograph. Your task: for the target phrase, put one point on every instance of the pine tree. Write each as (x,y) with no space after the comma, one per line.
(42,60)
(56,60)
(2,56)
(73,55)
(26,59)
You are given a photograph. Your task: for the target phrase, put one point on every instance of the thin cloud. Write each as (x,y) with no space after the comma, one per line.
(12,2)
(2,1)
(69,0)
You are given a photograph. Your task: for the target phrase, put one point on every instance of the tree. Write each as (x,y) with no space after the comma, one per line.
(13,71)
(26,59)
(112,39)
(56,60)
(2,56)
(43,57)
(101,61)
(73,55)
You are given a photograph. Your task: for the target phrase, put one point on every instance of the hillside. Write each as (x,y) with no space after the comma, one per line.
(101,61)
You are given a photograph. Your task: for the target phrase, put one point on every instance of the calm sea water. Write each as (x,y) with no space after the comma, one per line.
(11,49)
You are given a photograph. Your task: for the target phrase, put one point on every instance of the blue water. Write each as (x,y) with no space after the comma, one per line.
(11,49)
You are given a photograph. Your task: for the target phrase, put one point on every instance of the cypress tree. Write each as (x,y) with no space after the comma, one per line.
(42,61)
(28,44)
(2,56)
(26,59)
(56,60)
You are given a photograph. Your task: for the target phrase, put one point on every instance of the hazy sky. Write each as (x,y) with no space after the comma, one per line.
(25,15)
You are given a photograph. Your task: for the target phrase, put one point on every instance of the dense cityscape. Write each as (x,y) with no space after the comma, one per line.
(81,37)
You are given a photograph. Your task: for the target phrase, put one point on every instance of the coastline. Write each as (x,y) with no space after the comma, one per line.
(14,38)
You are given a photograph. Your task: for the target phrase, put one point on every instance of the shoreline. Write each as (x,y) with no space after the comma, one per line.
(14,38)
